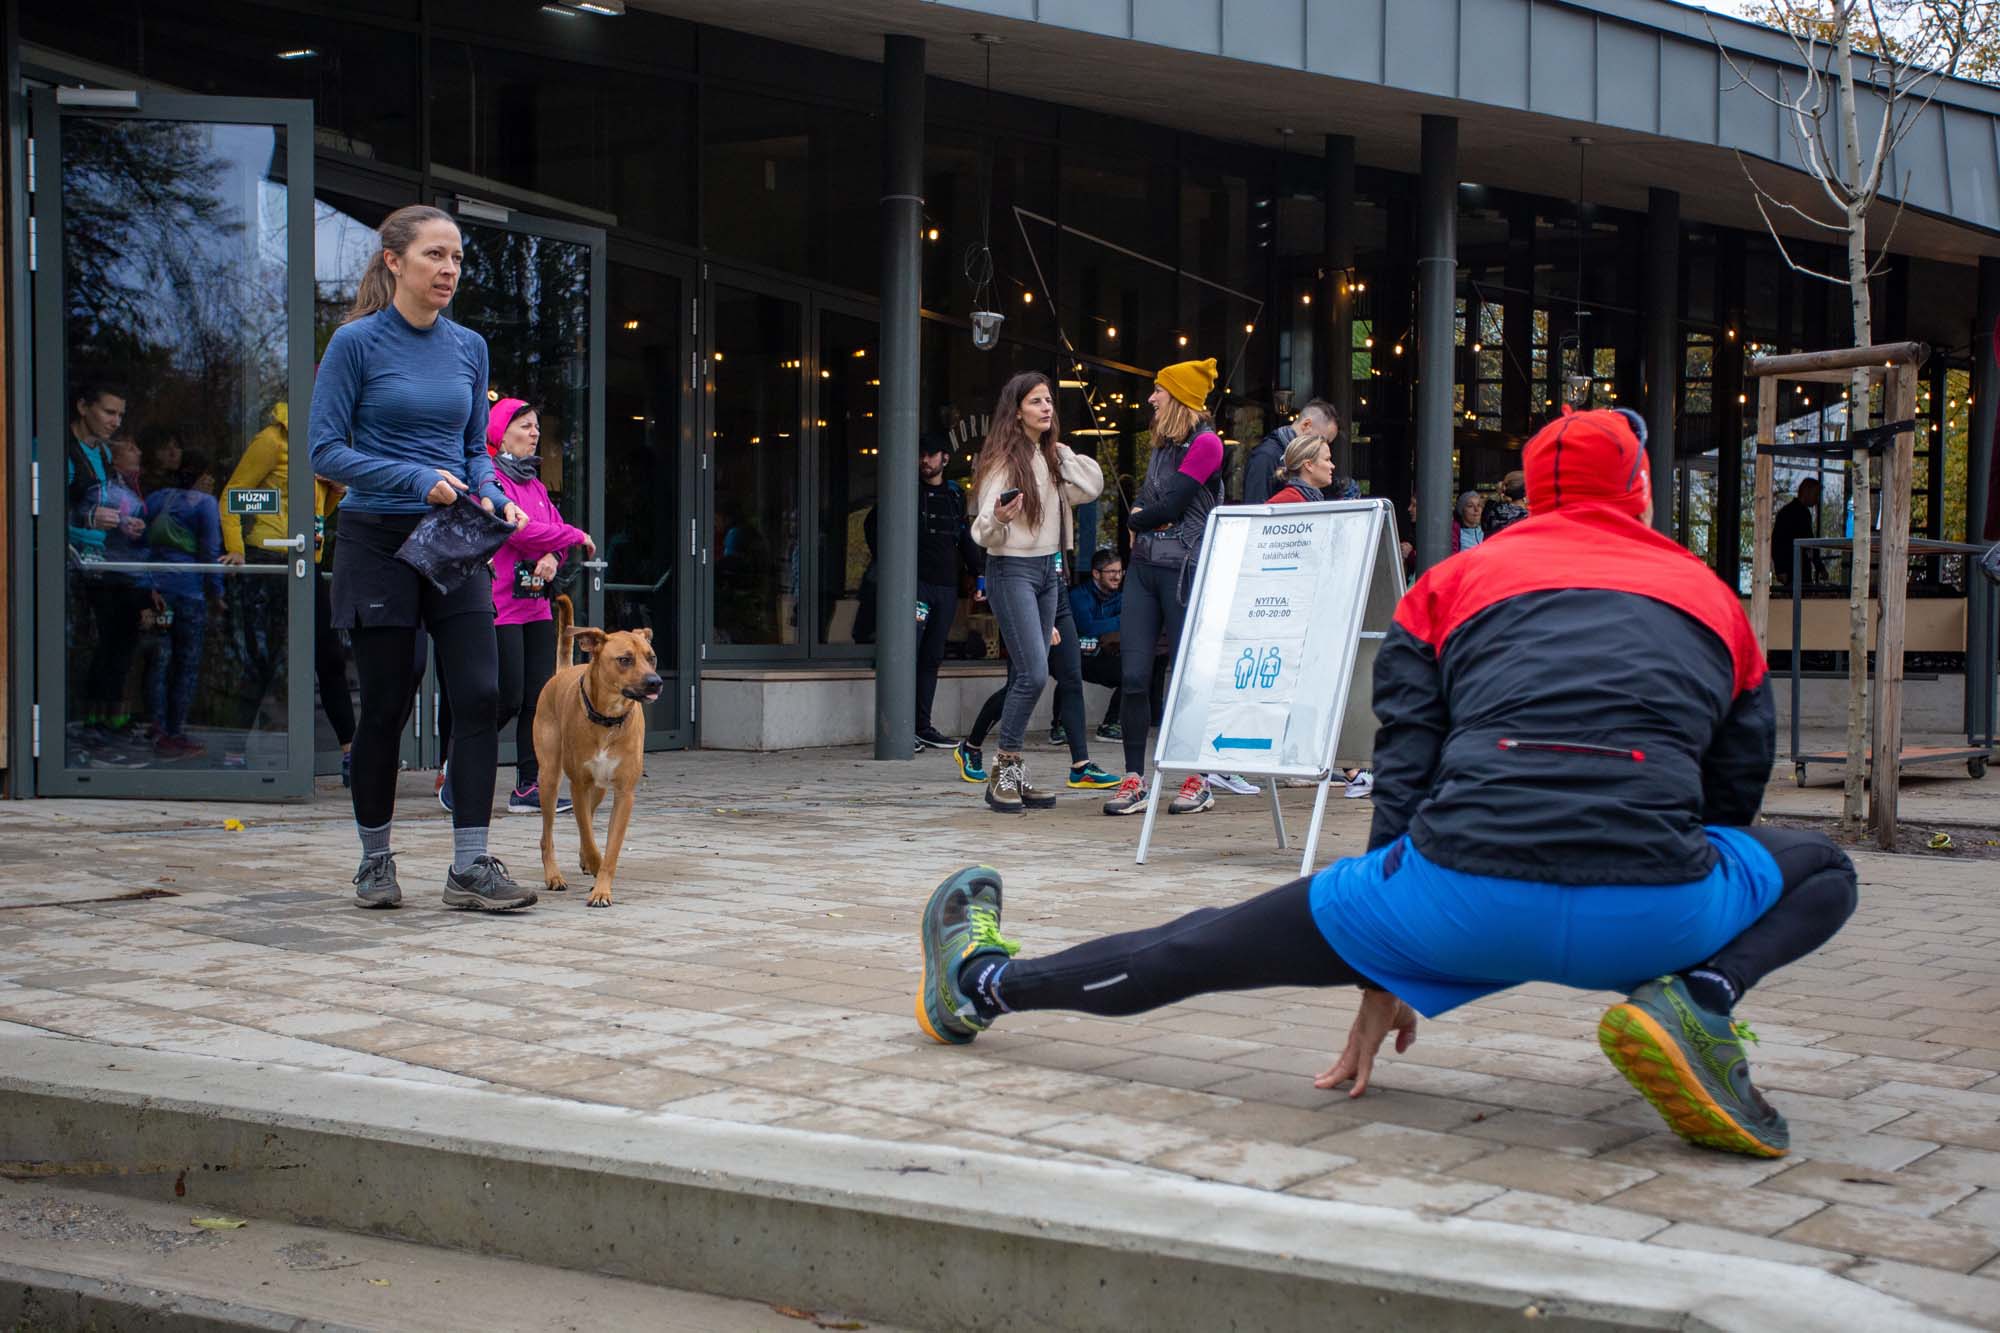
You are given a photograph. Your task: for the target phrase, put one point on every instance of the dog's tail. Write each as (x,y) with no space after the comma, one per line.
(565,629)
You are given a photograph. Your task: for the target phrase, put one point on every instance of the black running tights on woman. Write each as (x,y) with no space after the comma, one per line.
(527,660)
(1152,608)
(1272,940)
(388,665)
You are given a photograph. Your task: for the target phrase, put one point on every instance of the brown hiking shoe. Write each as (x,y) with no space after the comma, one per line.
(1008,782)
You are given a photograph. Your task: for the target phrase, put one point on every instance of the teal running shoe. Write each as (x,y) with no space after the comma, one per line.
(1091,778)
(971,763)
(961,920)
(1690,1064)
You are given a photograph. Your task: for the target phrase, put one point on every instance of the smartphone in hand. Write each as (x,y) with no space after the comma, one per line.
(1008,497)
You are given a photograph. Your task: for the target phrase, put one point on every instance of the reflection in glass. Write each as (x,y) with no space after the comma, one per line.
(642,537)
(529,296)
(849,450)
(756,373)
(175,255)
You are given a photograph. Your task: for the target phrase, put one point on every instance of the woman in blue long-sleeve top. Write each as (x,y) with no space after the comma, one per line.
(399,418)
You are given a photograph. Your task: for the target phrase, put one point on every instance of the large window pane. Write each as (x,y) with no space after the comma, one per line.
(849,435)
(792,187)
(603,138)
(361,79)
(756,375)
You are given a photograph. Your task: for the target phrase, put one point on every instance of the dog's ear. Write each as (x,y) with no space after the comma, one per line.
(588,641)
(645,632)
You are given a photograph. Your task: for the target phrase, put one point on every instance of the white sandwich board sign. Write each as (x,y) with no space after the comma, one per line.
(1289,607)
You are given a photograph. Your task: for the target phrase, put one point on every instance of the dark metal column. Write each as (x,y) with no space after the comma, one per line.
(1663,345)
(1517,325)
(1732,407)
(1437,290)
(1335,337)
(1979,482)
(902,301)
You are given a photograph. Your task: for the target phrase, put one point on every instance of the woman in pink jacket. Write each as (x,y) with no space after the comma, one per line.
(522,570)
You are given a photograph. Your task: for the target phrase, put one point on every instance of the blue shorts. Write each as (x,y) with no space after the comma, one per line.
(1439,938)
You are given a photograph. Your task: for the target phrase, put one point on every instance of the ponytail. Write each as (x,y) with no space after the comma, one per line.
(377,288)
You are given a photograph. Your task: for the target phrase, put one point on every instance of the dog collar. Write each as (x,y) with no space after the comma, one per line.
(601,719)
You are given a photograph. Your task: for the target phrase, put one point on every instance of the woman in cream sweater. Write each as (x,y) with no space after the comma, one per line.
(1024,538)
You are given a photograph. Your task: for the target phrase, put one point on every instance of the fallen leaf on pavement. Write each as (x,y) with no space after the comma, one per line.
(220,1223)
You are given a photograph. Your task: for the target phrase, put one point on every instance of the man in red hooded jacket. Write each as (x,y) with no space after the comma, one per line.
(1575,735)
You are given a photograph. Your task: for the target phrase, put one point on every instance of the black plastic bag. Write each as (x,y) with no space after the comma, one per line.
(1989,564)
(452,541)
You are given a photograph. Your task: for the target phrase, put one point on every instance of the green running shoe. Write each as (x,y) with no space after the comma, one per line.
(1690,1064)
(961,919)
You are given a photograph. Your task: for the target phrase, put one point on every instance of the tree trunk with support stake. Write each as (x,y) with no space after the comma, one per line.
(1853,807)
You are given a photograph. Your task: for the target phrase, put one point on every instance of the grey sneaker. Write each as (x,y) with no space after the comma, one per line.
(487,887)
(375,883)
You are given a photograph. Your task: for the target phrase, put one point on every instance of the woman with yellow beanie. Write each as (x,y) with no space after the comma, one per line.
(1168,518)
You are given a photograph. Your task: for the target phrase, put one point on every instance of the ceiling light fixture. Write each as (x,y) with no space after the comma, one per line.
(298,53)
(606,8)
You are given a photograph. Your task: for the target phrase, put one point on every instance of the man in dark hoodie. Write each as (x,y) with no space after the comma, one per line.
(1576,731)
(1320,418)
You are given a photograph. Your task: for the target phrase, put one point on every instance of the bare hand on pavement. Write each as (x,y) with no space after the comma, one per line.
(1381,1013)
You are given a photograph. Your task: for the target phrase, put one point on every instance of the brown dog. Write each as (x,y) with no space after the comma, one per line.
(590,727)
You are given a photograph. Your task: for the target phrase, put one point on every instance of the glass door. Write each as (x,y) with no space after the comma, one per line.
(652,544)
(173,368)
(533,288)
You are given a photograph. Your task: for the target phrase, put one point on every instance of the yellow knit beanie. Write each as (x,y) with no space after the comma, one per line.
(1189,382)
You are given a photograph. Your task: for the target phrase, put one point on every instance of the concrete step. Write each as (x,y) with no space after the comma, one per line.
(76,1259)
(912,1233)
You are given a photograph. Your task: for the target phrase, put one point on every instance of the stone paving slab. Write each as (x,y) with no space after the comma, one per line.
(760,962)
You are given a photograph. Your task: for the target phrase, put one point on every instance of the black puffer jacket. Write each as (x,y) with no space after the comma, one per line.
(1570,702)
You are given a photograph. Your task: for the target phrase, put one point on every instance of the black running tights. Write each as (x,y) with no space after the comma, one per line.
(1272,940)
(388,664)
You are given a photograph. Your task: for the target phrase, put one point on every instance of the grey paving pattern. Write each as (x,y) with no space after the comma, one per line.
(760,963)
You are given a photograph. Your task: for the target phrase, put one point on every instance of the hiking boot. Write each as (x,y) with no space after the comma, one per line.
(1111,731)
(1003,789)
(375,883)
(1131,797)
(961,922)
(1091,778)
(1360,785)
(971,763)
(1195,797)
(1689,1063)
(486,886)
(934,738)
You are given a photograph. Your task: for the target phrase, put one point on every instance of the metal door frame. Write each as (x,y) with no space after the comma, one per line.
(587,593)
(691,515)
(50,351)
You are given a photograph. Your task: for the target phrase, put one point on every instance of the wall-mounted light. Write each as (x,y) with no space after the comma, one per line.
(931,235)
(631,325)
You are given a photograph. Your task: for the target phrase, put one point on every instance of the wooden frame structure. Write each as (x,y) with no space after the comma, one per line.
(1895,366)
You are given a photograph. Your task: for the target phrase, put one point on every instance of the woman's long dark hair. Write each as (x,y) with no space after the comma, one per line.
(1009,450)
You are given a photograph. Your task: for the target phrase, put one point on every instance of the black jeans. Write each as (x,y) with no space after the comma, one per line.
(527,660)
(1153,606)
(1272,940)
(1107,667)
(115,604)
(931,640)
(388,663)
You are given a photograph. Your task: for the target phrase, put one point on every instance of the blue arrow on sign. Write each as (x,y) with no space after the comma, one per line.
(1242,743)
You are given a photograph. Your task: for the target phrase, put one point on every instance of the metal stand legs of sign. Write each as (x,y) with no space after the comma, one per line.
(1289,608)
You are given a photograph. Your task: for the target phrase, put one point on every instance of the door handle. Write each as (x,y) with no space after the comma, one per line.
(597,576)
(297,543)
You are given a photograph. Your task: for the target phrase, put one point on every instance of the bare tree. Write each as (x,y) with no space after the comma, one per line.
(1853,55)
